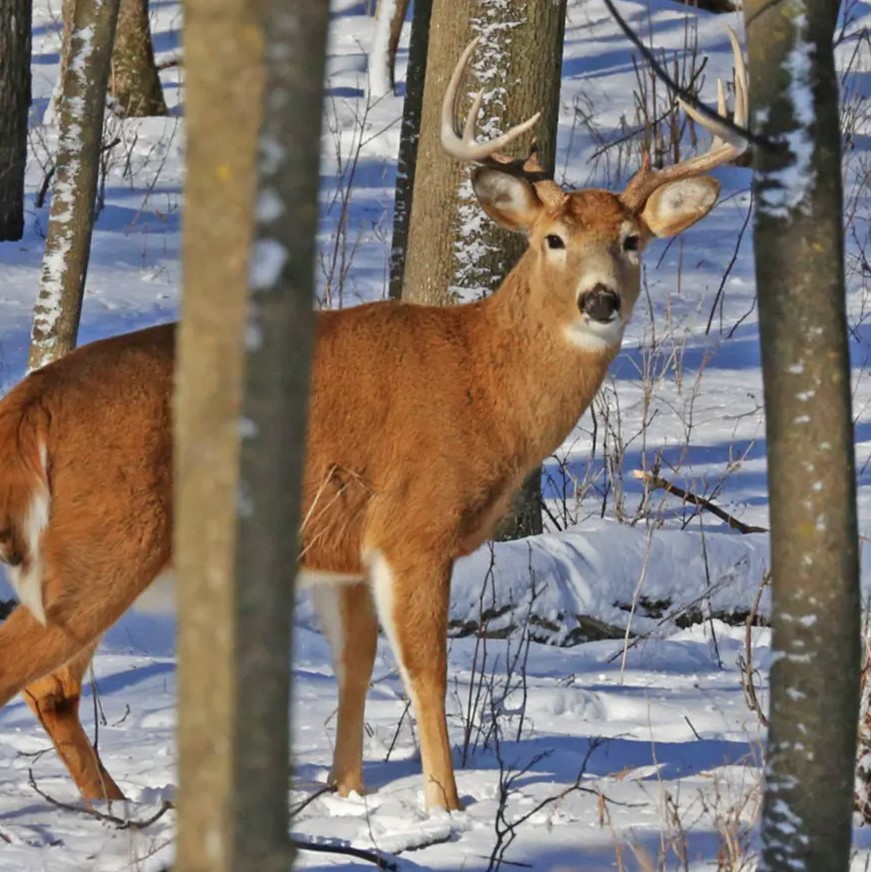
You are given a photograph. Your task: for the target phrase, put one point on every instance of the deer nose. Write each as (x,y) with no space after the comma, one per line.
(600,303)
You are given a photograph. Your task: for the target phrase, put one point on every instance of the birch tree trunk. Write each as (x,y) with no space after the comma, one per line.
(74,186)
(454,252)
(15,17)
(135,84)
(389,18)
(806,821)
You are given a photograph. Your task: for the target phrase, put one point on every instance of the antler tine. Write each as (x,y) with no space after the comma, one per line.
(726,145)
(463,146)
(720,131)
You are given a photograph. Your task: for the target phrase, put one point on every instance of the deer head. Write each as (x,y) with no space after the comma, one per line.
(585,246)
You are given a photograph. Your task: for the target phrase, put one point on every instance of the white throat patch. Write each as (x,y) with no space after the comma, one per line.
(594,335)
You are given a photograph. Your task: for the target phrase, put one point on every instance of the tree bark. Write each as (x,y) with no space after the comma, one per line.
(15,18)
(223,44)
(74,186)
(135,84)
(807,808)
(236,547)
(279,341)
(454,252)
(408,142)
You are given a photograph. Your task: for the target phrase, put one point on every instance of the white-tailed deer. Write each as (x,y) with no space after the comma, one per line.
(423,423)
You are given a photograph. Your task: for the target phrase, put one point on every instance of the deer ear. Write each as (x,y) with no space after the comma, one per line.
(677,205)
(509,200)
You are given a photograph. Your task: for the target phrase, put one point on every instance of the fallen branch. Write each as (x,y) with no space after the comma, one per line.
(374,857)
(656,481)
(88,811)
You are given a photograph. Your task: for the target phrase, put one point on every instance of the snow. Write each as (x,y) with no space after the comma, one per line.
(783,190)
(379,59)
(658,703)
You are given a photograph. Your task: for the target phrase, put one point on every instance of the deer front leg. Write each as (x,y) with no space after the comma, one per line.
(412,601)
(348,621)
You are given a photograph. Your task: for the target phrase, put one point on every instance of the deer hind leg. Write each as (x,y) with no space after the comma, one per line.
(412,601)
(348,620)
(54,699)
(49,660)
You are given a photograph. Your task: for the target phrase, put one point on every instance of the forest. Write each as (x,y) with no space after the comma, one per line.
(435,434)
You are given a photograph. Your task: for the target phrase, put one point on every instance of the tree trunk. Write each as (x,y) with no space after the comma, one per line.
(389,18)
(74,186)
(799,246)
(52,111)
(235,545)
(15,18)
(454,253)
(408,142)
(135,85)
(280,338)
(223,47)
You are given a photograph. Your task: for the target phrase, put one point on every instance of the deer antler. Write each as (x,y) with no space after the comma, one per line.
(725,147)
(463,146)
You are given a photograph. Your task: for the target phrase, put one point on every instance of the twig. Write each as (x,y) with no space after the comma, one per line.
(683,93)
(643,128)
(695,731)
(119,822)
(724,278)
(657,481)
(745,663)
(327,788)
(169,63)
(39,199)
(396,731)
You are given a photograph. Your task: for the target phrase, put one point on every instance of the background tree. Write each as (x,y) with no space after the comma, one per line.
(134,83)
(389,18)
(799,251)
(234,553)
(408,141)
(15,19)
(453,251)
(74,185)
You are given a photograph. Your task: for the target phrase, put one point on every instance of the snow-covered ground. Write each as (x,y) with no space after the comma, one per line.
(648,738)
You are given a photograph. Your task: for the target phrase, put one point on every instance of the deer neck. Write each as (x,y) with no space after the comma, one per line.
(537,383)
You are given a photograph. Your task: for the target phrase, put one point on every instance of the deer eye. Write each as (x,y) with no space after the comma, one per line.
(631,243)
(554,241)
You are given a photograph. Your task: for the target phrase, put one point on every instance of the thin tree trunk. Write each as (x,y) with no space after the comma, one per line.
(389,18)
(280,334)
(806,822)
(408,142)
(74,186)
(453,252)
(135,84)
(235,530)
(223,46)
(15,18)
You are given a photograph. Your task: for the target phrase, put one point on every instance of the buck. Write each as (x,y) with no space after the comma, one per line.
(423,422)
